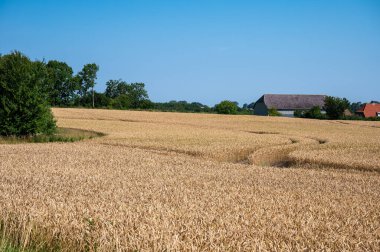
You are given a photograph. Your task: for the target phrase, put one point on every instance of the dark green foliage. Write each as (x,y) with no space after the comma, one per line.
(87,78)
(121,102)
(196,107)
(335,107)
(146,104)
(251,106)
(245,110)
(182,106)
(355,106)
(273,112)
(226,107)
(115,88)
(60,83)
(24,106)
(360,118)
(313,113)
(127,96)
(61,135)
(298,113)
(100,100)
(137,93)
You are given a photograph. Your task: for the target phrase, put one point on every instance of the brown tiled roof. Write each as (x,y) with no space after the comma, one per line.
(291,102)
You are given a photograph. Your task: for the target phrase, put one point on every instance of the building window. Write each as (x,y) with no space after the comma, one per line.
(378,114)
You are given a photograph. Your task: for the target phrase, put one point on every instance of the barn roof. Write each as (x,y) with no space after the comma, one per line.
(292,102)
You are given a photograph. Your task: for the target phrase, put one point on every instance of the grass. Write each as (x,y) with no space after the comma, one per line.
(7,247)
(171,181)
(62,135)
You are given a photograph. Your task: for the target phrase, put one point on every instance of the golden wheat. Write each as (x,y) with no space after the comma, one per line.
(169,181)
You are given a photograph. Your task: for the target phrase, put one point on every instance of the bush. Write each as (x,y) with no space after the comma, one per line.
(24,108)
(121,102)
(298,113)
(360,118)
(335,107)
(226,107)
(313,113)
(273,112)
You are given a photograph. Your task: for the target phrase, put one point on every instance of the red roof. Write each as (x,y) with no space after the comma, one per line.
(370,110)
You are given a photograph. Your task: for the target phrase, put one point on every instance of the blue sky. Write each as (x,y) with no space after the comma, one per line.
(208,50)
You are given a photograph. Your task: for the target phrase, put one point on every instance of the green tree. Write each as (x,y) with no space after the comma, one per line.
(101,100)
(226,107)
(87,78)
(24,108)
(251,106)
(134,94)
(116,87)
(121,102)
(146,104)
(335,107)
(137,94)
(355,106)
(60,83)
(112,88)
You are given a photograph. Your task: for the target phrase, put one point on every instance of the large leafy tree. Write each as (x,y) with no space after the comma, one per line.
(60,83)
(87,77)
(126,95)
(137,94)
(226,107)
(355,106)
(24,108)
(335,106)
(116,88)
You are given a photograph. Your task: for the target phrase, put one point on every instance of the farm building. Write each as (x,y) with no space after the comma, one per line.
(369,110)
(287,104)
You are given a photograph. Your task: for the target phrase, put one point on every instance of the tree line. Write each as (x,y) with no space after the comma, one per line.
(29,88)
(63,88)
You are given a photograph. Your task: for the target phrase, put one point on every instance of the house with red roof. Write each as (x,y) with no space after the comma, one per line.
(369,110)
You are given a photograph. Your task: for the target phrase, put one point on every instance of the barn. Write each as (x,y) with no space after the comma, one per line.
(286,104)
(369,110)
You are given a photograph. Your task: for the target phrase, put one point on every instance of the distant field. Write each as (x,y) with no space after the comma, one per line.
(171,181)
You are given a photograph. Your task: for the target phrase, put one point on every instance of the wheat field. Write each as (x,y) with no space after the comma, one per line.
(194,182)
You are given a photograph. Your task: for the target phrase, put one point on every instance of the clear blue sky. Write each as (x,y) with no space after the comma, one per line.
(208,50)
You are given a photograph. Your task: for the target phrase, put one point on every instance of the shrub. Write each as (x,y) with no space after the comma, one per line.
(24,108)
(273,112)
(121,102)
(226,107)
(315,113)
(298,113)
